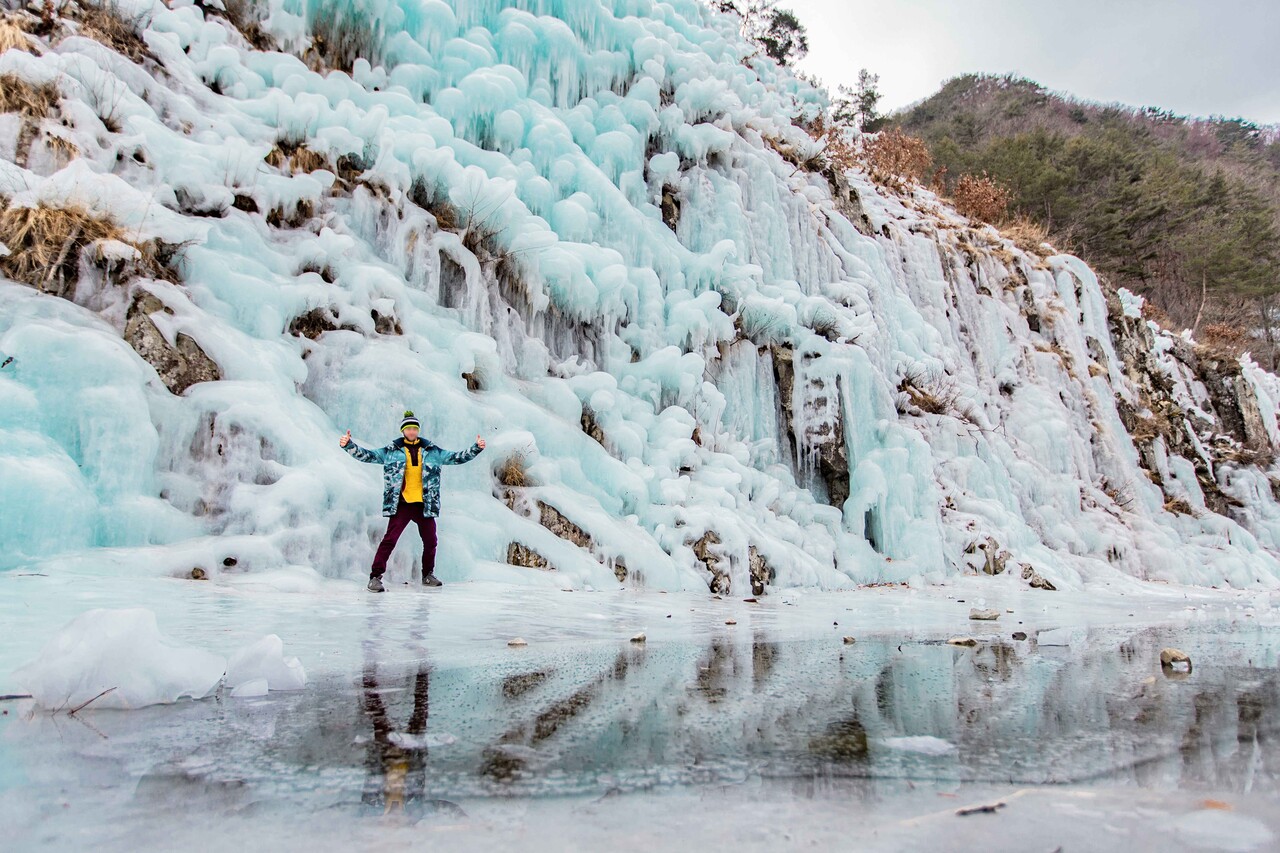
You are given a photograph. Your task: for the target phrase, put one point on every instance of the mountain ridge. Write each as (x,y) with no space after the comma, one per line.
(1182,210)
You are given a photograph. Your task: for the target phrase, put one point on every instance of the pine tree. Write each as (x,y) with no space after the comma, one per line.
(866,101)
(778,32)
(785,39)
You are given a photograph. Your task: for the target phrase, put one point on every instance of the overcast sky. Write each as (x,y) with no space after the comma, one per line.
(1195,57)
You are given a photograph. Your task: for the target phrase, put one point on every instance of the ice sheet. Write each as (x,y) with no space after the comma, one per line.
(418,718)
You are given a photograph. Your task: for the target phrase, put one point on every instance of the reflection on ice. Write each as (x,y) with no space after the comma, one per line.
(415,740)
(397,753)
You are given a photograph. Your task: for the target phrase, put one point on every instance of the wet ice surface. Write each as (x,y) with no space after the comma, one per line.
(421,723)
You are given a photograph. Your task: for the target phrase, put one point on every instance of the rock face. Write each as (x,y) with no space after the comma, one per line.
(762,574)
(1195,404)
(523,555)
(993,557)
(716,565)
(1035,580)
(519,554)
(552,519)
(815,425)
(181,364)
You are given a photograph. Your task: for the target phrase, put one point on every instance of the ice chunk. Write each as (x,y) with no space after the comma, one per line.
(251,688)
(925,744)
(120,657)
(1061,637)
(265,660)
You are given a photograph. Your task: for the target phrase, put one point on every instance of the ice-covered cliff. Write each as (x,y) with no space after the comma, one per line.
(234,230)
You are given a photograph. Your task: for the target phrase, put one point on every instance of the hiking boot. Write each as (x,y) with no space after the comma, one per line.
(431,580)
(375,585)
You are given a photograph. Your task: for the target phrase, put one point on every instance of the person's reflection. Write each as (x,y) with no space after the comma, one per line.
(396,760)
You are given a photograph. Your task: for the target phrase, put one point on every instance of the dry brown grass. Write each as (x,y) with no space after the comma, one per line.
(242,15)
(1144,430)
(792,156)
(106,22)
(14,37)
(435,202)
(938,180)
(291,216)
(64,150)
(840,153)
(837,152)
(1026,234)
(298,157)
(1226,338)
(45,245)
(980,197)
(895,159)
(514,471)
(446,218)
(32,101)
(1004,256)
(46,241)
(1153,312)
(936,393)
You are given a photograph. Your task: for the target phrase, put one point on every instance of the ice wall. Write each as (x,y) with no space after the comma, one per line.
(579,230)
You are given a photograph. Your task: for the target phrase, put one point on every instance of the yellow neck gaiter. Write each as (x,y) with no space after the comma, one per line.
(412,492)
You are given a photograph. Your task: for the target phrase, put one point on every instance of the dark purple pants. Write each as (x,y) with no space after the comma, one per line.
(405,513)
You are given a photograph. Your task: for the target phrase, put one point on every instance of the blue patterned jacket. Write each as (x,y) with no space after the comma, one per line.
(393,462)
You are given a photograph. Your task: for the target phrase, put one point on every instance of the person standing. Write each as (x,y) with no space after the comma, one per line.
(410,493)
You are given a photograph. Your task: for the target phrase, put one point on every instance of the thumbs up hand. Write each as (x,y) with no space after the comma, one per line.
(342,442)
(479,442)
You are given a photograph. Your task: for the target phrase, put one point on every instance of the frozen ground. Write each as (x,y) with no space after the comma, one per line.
(420,725)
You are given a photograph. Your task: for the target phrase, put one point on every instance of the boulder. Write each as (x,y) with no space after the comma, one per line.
(1034,579)
(181,364)
(519,554)
(716,564)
